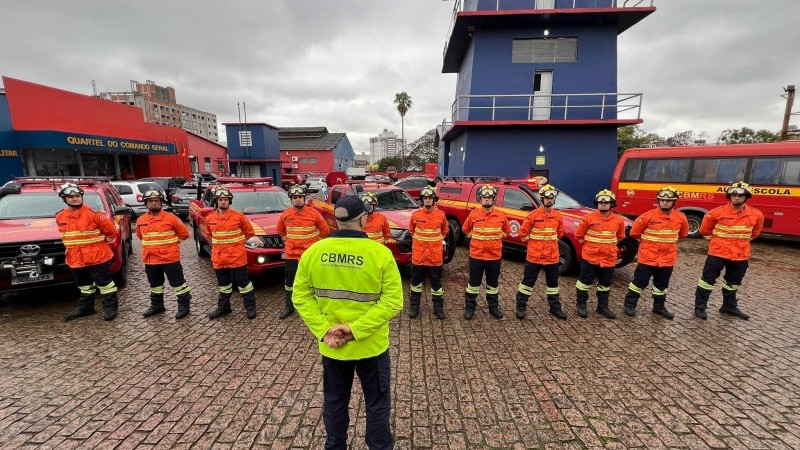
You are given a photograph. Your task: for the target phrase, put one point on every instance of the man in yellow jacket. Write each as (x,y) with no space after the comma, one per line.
(347,288)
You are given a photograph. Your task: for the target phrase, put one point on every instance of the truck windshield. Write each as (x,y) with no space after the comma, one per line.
(563,201)
(261,202)
(395,199)
(24,206)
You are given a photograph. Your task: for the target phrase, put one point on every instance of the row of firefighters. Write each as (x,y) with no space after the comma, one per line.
(730,228)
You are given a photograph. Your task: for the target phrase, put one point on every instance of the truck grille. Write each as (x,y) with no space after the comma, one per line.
(273,241)
(48,248)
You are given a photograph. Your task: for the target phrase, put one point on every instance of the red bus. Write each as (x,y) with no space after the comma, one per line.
(701,174)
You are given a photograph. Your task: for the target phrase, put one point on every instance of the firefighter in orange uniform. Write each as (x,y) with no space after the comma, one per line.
(658,230)
(229,231)
(599,231)
(730,228)
(428,228)
(86,234)
(377,227)
(542,229)
(486,228)
(161,234)
(299,226)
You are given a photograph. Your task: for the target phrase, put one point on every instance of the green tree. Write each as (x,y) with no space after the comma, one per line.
(403,102)
(383,163)
(634,136)
(747,135)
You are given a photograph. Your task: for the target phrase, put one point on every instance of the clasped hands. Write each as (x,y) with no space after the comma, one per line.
(338,336)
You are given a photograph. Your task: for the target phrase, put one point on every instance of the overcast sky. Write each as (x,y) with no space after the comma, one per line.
(703,65)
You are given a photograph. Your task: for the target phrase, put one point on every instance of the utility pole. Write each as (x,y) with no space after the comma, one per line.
(788,113)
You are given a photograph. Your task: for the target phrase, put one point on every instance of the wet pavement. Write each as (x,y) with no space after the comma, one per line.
(641,382)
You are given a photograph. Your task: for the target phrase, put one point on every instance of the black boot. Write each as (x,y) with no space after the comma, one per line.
(413,309)
(85,307)
(555,307)
(522,306)
(183,306)
(250,305)
(156,306)
(438,306)
(288,306)
(470,302)
(729,305)
(469,313)
(223,308)
(602,305)
(700,302)
(660,308)
(494,306)
(631,299)
(110,306)
(583,297)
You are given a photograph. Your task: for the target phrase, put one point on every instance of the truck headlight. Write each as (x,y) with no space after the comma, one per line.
(254,242)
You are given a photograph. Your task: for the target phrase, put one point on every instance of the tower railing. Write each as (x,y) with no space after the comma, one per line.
(583,106)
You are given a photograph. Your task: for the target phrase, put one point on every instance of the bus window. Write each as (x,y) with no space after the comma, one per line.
(791,172)
(669,170)
(723,171)
(766,170)
(632,170)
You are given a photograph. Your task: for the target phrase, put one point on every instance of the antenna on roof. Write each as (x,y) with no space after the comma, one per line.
(94,88)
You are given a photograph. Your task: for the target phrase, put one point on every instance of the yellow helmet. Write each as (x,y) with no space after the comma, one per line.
(667,193)
(487,190)
(370,197)
(297,190)
(151,194)
(739,187)
(548,190)
(428,191)
(605,196)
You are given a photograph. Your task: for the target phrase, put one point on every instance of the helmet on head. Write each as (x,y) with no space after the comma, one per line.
(370,197)
(548,190)
(667,193)
(605,196)
(297,190)
(739,187)
(428,191)
(487,190)
(222,192)
(151,194)
(69,189)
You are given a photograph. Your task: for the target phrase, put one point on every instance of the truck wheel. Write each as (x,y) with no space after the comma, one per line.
(695,220)
(455,229)
(565,257)
(451,247)
(198,244)
(121,277)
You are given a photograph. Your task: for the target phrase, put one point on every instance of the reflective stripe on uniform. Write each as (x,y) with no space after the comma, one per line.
(227,237)
(157,289)
(492,289)
(159,238)
(733,231)
(729,287)
(525,290)
(437,292)
(227,289)
(603,288)
(487,233)
(635,288)
(87,290)
(247,288)
(182,289)
(416,287)
(657,291)
(552,290)
(335,294)
(543,234)
(110,288)
(288,288)
(665,236)
(703,285)
(473,289)
(601,237)
(71,238)
(581,286)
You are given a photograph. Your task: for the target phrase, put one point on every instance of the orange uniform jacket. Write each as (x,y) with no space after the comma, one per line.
(378,228)
(84,233)
(601,235)
(659,234)
(301,229)
(731,231)
(229,232)
(428,230)
(486,232)
(161,237)
(542,230)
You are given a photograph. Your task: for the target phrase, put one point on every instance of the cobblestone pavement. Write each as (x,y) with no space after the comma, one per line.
(539,383)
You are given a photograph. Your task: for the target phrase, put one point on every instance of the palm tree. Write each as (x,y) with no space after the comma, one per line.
(403,102)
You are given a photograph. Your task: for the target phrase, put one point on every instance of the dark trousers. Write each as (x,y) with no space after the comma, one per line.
(374,374)
(174,273)
(477,268)
(734,274)
(587,275)
(418,277)
(529,276)
(289,271)
(92,278)
(225,279)
(641,278)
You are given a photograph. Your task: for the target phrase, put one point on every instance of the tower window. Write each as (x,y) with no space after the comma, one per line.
(544,50)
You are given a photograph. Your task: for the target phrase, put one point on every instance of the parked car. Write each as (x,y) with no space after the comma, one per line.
(413,185)
(315,184)
(182,198)
(32,253)
(168,184)
(132,192)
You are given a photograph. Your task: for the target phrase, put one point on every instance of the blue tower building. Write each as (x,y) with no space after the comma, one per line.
(537,90)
